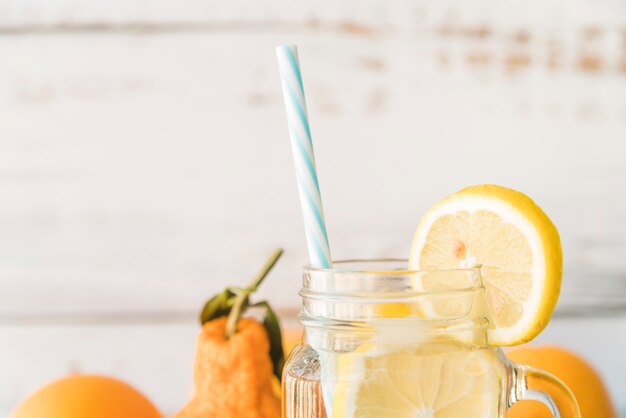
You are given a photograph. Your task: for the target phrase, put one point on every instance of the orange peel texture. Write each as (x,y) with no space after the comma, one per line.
(232,377)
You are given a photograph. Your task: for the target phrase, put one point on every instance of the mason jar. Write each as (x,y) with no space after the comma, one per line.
(377,345)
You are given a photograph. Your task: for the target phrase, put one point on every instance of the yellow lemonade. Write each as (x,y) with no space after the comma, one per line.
(438,378)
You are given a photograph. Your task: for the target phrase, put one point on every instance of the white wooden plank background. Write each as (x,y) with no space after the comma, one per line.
(144,159)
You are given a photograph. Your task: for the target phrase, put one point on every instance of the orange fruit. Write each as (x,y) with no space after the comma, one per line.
(586,384)
(292,335)
(82,396)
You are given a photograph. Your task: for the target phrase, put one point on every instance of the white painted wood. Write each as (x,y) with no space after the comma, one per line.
(157,359)
(398,13)
(145,172)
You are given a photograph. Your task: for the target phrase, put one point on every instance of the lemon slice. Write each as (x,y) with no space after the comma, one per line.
(447,381)
(513,240)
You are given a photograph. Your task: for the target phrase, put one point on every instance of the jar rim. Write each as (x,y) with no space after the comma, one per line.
(355,295)
(338,264)
(387,278)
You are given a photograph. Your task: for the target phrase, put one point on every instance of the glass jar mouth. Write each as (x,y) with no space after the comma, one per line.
(371,291)
(343,266)
(386,278)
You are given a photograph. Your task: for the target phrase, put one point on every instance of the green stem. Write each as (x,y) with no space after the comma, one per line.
(235,314)
(242,298)
(269,264)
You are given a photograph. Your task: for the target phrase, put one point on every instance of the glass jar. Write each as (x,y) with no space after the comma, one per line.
(377,346)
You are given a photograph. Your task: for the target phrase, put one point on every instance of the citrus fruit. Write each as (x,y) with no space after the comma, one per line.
(83,396)
(292,336)
(586,384)
(514,243)
(444,380)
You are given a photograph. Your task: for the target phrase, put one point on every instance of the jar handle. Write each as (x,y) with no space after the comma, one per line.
(530,384)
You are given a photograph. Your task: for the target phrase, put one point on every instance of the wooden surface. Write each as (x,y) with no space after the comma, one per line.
(145,163)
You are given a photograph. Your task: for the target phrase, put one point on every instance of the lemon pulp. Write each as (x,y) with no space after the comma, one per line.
(436,380)
(516,246)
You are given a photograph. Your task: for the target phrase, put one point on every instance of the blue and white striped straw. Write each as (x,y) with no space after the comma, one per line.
(304,158)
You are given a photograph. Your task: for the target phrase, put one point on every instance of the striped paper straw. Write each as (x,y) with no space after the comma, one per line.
(304,158)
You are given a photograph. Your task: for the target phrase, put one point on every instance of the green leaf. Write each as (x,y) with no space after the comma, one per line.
(218,305)
(272,326)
